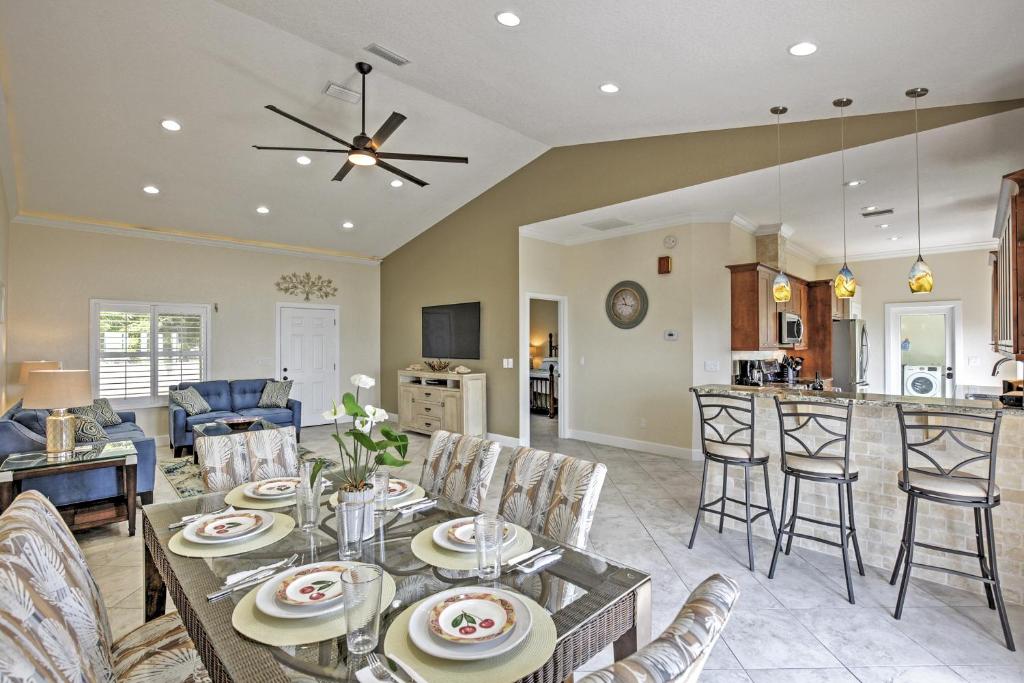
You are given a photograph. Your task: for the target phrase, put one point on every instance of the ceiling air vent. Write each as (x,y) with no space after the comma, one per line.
(386,54)
(341,92)
(606,224)
(878,212)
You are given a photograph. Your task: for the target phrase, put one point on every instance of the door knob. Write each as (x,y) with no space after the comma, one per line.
(284,376)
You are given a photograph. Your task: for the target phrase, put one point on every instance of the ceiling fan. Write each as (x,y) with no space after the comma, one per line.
(363,150)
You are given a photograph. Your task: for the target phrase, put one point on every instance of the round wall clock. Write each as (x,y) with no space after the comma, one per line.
(626,304)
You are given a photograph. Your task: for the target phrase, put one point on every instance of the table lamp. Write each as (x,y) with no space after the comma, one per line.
(28,366)
(58,390)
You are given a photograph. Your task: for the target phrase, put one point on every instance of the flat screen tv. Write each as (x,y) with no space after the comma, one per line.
(452,331)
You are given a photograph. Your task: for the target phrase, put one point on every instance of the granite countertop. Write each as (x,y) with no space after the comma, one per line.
(784,391)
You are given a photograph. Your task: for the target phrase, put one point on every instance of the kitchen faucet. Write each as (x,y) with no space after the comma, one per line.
(995,368)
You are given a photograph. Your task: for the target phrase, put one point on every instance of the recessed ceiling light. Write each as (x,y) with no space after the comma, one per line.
(151,189)
(510,19)
(894,238)
(303,160)
(803,49)
(348,225)
(262,209)
(855,183)
(609,88)
(883,226)
(396,183)
(171,125)
(869,208)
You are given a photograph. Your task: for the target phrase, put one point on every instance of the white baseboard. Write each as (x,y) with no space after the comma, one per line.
(634,444)
(509,441)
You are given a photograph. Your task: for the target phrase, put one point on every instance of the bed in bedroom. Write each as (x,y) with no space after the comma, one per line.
(544,383)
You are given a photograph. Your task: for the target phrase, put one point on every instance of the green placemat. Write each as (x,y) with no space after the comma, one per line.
(424,548)
(238,499)
(524,659)
(283,525)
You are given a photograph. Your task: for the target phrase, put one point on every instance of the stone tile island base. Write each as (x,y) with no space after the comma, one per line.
(875,451)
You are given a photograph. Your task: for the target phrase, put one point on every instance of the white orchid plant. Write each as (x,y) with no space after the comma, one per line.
(363,455)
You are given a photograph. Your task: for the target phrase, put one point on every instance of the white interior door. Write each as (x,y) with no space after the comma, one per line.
(923,345)
(308,355)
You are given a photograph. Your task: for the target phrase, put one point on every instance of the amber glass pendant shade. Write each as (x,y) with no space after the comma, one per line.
(845,283)
(920,277)
(782,290)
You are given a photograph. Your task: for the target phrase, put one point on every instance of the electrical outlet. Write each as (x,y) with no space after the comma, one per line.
(711,366)
(511,362)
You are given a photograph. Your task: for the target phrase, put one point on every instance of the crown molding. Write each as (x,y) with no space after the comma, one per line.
(774,229)
(187,237)
(984,245)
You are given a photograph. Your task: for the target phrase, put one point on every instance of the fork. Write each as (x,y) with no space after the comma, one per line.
(381,672)
(254,580)
(188,519)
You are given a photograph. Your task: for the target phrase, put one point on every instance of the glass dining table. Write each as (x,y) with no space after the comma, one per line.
(593,601)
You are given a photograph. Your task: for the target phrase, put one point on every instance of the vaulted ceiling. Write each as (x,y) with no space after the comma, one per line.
(86,85)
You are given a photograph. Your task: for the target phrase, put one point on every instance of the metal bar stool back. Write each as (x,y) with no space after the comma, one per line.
(814,440)
(950,458)
(727,437)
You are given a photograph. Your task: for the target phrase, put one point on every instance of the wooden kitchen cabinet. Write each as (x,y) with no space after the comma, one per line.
(755,314)
(1007,275)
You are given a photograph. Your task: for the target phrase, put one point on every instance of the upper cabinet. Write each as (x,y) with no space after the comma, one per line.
(755,314)
(1007,275)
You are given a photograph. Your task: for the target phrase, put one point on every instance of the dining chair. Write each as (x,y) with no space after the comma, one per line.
(228,460)
(679,654)
(55,626)
(459,468)
(552,494)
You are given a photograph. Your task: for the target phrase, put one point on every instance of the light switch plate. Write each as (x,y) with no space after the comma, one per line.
(711,366)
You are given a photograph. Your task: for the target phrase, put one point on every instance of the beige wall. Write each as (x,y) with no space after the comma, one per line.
(473,253)
(55,273)
(543,321)
(959,276)
(5,230)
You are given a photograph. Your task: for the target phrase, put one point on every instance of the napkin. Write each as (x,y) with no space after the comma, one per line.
(364,675)
(232,579)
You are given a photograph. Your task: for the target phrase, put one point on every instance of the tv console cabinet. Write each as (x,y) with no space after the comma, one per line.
(428,401)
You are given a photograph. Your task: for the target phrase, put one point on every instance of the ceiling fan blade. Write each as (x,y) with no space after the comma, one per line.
(423,157)
(389,127)
(304,149)
(343,171)
(401,174)
(308,125)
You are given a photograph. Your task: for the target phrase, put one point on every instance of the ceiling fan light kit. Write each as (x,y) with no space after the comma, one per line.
(782,288)
(920,278)
(365,150)
(845,284)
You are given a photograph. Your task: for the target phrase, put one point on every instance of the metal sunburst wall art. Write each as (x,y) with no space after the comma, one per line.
(307,285)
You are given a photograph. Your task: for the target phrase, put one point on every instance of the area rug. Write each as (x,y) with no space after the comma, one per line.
(186,479)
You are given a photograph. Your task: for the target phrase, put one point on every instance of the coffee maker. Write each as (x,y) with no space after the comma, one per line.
(750,373)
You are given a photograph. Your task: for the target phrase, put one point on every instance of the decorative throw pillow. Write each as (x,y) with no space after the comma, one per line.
(275,394)
(87,430)
(100,410)
(191,400)
(12,411)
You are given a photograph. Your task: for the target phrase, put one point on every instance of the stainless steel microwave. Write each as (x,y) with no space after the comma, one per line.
(791,328)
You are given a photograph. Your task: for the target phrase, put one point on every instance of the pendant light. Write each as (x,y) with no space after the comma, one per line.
(845,284)
(920,277)
(782,289)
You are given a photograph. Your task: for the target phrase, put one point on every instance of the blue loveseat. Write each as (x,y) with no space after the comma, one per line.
(235,398)
(24,431)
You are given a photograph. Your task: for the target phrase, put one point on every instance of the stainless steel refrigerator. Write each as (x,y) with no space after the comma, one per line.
(850,354)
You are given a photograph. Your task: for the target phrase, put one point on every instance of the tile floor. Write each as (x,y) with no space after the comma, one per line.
(797,627)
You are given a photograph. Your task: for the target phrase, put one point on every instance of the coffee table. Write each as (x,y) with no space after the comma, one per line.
(120,454)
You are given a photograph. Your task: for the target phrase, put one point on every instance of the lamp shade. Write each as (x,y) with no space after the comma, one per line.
(28,366)
(58,389)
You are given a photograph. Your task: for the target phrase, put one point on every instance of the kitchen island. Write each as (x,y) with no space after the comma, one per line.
(875,451)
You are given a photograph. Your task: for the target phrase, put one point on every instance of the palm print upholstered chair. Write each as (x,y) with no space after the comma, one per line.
(53,625)
(459,468)
(679,654)
(229,460)
(552,494)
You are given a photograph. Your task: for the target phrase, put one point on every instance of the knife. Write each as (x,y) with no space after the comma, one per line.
(540,563)
(528,555)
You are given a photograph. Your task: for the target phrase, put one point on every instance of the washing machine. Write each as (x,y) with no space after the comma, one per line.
(922,380)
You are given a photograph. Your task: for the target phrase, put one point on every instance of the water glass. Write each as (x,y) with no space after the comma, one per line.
(381,480)
(489,533)
(307,498)
(361,588)
(350,515)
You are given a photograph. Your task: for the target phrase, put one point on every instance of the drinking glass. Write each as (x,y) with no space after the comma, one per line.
(489,533)
(361,587)
(307,498)
(350,515)
(380,480)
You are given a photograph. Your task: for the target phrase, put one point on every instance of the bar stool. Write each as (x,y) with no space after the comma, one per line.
(736,448)
(815,441)
(923,433)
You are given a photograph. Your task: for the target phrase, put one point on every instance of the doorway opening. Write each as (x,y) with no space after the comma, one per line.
(543,400)
(308,354)
(923,342)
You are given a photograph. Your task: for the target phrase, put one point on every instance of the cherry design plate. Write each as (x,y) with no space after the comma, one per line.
(279,487)
(228,526)
(469,618)
(316,585)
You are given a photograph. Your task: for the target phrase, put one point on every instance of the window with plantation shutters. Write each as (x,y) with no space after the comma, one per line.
(141,349)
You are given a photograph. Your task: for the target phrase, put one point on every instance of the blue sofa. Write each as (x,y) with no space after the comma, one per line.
(24,431)
(235,398)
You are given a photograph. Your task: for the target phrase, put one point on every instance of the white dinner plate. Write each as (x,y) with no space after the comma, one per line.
(250,522)
(441,539)
(272,489)
(404,488)
(267,602)
(419,628)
